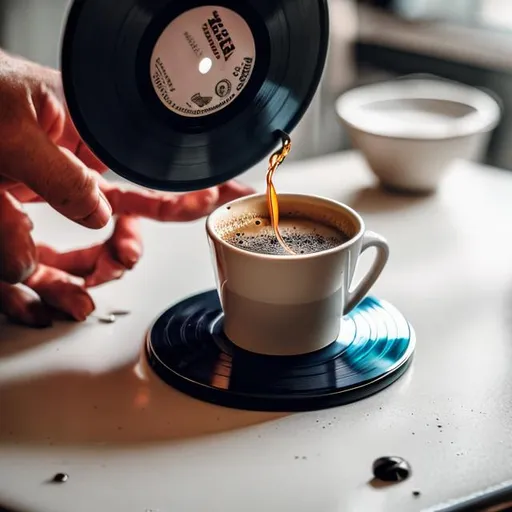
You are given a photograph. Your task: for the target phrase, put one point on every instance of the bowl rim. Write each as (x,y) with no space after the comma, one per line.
(486,113)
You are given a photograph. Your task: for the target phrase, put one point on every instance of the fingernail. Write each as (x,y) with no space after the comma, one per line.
(100,217)
(117,274)
(130,253)
(99,279)
(82,308)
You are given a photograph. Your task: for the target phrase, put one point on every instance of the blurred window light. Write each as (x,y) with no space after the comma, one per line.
(486,14)
(497,13)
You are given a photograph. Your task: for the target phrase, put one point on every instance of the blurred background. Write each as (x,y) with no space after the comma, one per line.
(469,41)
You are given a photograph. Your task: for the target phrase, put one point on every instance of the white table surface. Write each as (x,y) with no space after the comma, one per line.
(72,398)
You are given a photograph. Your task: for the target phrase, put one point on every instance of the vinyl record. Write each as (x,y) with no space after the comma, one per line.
(186,347)
(181,94)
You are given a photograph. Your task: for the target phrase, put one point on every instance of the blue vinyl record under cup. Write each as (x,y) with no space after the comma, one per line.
(187,349)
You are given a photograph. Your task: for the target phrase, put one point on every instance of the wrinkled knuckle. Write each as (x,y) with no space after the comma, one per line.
(82,184)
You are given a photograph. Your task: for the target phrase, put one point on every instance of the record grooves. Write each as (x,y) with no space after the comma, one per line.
(141,103)
(188,350)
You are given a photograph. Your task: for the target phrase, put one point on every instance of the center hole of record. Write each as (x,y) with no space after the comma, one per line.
(205,65)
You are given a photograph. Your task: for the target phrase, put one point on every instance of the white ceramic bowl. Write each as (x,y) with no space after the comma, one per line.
(410,131)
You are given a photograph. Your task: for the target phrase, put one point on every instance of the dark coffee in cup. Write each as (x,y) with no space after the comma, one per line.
(301,235)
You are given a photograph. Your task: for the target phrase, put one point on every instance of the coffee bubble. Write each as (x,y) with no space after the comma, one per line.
(302,236)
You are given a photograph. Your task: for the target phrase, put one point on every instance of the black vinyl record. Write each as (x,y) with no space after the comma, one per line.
(187,348)
(181,94)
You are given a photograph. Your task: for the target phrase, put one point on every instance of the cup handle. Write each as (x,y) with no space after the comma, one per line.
(356,295)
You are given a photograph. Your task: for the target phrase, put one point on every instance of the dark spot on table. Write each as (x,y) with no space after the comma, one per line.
(391,469)
(60,478)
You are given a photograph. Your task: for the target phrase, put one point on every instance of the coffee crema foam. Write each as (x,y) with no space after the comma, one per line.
(301,235)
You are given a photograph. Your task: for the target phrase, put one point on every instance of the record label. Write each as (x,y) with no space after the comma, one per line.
(202,61)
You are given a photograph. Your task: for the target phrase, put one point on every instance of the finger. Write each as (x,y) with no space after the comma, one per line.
(232,190)
(22,193)
(106,270)
(79,262)
(161,206)
(18,190)
(62,291)
(17,249)
(58,176)
(87,263)
(124,247)
(125,244)
(195,205)
(227,192)
(21,306)
(50,112)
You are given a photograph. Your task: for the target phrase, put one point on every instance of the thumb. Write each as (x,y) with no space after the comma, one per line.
(57,176)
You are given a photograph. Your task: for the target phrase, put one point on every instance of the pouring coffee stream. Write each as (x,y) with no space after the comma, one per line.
(276,159)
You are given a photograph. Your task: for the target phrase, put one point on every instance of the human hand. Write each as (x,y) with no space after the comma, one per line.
(42,156)
(44,159)
(58,285)
(41,150)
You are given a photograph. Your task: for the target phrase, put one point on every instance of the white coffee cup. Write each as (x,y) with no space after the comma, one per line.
(290,304)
